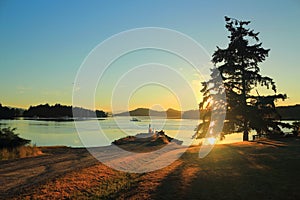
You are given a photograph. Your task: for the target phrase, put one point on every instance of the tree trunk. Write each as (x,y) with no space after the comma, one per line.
(246,135)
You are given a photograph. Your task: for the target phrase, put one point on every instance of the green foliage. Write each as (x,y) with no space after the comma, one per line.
(10,140)
(236,76)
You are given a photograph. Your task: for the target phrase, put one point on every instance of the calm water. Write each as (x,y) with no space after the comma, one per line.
(47,133)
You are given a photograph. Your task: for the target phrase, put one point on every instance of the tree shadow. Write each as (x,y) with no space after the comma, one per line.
(234,172)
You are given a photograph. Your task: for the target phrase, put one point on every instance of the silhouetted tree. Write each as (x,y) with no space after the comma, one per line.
(9,139)
(101,113)
(236,75)
(8,113)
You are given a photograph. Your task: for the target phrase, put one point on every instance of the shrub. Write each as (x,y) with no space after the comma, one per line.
(10,140)
(12,146)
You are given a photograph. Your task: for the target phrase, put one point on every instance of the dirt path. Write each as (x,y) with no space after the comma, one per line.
(20,174)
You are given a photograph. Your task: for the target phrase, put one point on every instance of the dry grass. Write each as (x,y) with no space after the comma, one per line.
(97,182)
(267,170)
(19,152)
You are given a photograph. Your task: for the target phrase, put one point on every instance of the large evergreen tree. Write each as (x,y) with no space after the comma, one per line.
(236,75)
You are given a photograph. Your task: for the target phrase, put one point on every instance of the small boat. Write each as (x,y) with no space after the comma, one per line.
(135,119)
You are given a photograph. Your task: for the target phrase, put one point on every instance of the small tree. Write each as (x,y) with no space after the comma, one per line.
(236,75)
(10,140)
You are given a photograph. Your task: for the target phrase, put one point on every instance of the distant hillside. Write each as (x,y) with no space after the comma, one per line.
(174,114)
(286,112)
(289,112)
(9,113)
(59,111)
(191,114)
(170,113)
(138,112)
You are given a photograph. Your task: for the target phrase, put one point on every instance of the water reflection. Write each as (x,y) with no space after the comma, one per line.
(48,133)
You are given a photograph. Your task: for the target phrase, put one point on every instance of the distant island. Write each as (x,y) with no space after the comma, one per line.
(289,112)
(170,113)
(45,111)
(9,113)
(286,113)
(62,111)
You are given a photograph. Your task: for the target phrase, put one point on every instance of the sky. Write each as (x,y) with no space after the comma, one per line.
(43,44)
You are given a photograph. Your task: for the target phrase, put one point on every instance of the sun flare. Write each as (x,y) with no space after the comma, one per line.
(211,140)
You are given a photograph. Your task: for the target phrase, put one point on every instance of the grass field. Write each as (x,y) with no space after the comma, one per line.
(19,152)
(249,170)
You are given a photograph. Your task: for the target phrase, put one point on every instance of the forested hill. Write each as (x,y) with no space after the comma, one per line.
(286,112)
(9,113)
(57,111)
(47,111)
(170,113)
(289,112)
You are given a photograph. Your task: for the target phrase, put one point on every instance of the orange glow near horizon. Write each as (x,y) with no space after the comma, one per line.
(154,97)
(169,101)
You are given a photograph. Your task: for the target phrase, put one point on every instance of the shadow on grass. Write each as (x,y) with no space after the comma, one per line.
(244,171)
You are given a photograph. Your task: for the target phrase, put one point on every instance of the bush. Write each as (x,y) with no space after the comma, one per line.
(10,140)
(12,146)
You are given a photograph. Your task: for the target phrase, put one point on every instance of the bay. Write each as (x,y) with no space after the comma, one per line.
(53,133)
(95,132)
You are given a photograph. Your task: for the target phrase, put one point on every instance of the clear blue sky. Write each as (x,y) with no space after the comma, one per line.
(43,43)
